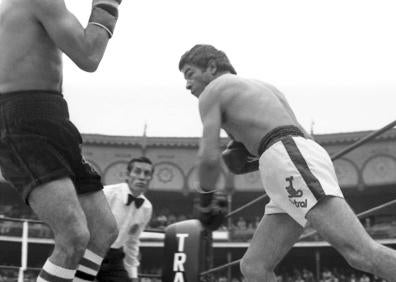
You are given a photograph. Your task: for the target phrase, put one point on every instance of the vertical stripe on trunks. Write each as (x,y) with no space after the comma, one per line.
(302,166)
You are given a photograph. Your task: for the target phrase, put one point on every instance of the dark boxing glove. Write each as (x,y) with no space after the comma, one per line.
(238,159)
(105,14)
(212,209)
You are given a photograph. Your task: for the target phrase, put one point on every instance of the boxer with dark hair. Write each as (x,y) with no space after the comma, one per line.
(133,212)
(297,173)
(40,148)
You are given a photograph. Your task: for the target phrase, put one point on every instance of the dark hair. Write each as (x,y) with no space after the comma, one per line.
(141,159)
(201,54)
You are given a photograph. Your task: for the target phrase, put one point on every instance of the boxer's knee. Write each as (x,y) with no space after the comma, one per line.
(104,236)
(361,258)
(256,270)
(71,237)
(110,230)
(72,244)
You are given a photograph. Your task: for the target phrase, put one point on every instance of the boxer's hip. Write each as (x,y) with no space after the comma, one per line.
(276,135)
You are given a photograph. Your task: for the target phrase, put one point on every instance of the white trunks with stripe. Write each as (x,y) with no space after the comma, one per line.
(296,173)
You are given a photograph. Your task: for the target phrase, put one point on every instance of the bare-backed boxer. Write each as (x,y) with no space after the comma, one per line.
(297,173)
(40,149)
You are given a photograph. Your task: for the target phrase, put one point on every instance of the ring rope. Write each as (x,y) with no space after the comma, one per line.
(262,197)
(154,230)
(5,218)
(145,275)
(12,267)
(364,140)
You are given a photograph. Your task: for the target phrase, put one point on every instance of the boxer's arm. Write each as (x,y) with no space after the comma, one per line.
(84,46)
(209,149)
(131,260)
(211,208)
(131,249)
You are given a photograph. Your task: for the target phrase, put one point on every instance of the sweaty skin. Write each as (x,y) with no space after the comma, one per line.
(246,109)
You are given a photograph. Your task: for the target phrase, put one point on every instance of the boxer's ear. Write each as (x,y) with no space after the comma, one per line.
(187,251)
(212,67)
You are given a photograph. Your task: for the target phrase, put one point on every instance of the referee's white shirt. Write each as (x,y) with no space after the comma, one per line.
(131,223)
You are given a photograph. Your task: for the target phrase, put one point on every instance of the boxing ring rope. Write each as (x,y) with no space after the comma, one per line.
(248,204)
(145,275)
(154,230)
(334,157)
(364,140)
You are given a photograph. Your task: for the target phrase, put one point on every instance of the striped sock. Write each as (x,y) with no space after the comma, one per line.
(53,273)
(88,267)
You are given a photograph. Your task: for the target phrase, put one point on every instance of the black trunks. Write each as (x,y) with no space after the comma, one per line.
(39,144)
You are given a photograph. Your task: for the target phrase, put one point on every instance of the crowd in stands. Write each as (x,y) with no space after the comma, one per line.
(11,275)
(241,229)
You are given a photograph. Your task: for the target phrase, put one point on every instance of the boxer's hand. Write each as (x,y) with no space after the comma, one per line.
(212,209)
(238,159)
(105,14)
(110,6)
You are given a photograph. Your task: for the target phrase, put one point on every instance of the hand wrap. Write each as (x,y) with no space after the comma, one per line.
(212,209)
(105,14)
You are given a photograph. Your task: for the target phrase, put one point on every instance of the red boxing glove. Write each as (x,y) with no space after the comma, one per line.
(105,14)
(238,159)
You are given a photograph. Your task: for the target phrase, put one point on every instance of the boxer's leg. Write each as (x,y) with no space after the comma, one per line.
(274,237)
(56,204)
(103,230)
(336,223)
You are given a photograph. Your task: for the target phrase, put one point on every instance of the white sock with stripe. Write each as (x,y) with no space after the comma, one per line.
(54,273)
(88,267)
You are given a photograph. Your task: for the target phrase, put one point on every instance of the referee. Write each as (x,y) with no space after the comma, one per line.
(133,212)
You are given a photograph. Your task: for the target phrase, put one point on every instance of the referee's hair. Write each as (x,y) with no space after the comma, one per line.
(141,159)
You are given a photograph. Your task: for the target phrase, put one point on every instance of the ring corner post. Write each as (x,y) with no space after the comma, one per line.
(187,251)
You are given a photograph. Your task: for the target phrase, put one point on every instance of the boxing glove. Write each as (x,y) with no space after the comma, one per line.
(212,209)
(105,14)
(238,159)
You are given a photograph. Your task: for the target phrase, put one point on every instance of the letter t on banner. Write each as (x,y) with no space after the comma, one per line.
(185,251)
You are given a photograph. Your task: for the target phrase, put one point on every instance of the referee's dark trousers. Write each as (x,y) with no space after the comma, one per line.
(112,269)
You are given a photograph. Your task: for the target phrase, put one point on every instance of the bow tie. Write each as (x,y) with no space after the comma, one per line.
(138,201)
